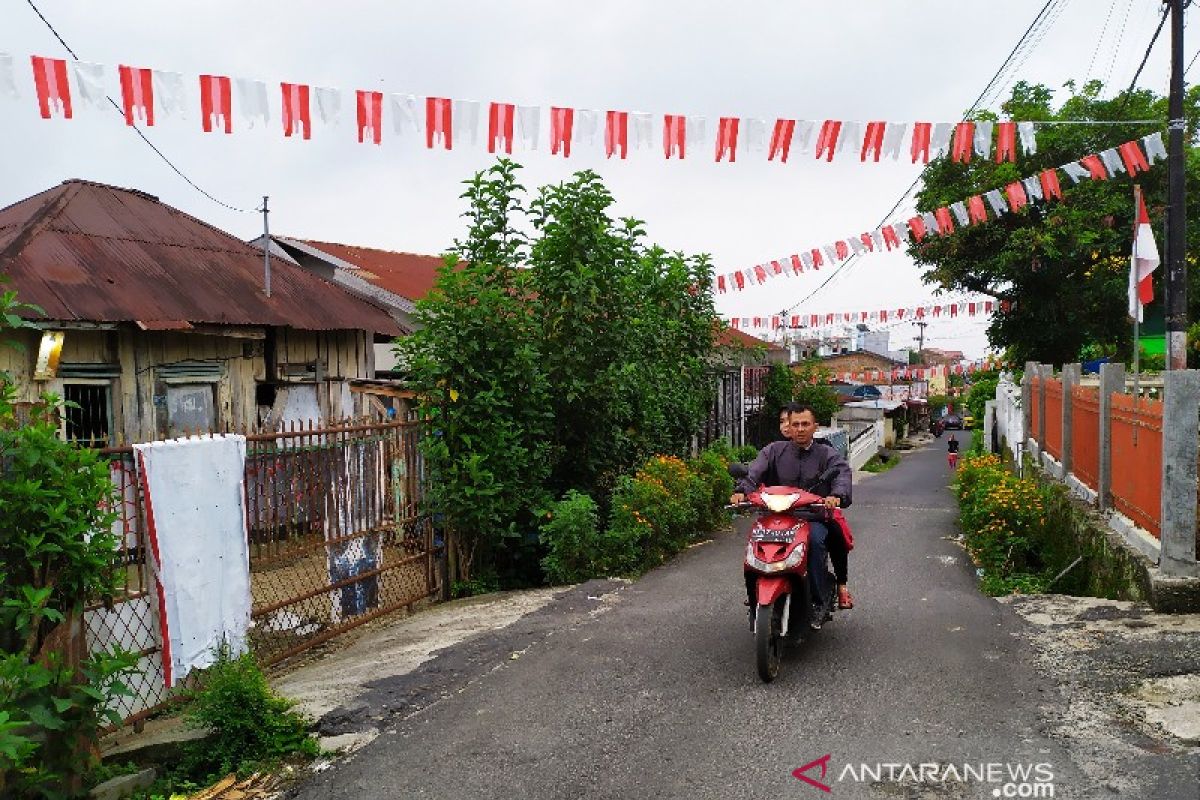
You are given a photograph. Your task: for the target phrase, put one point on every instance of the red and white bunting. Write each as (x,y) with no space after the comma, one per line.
(1012,198)
(616,134)
(969,308)
(438,122)
(501,122)
(562,124)
(297,113)
(216,103)
(52,87)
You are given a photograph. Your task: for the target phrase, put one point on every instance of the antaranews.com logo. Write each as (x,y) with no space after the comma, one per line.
(1004,778)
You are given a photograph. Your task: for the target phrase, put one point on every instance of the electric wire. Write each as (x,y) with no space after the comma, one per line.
(1041,15)
(135,128)
(1099,41)
(1112,62)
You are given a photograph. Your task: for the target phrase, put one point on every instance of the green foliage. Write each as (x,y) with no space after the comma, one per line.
(254,726)
(877,464)
(936,403)
(981,391)
(1062,265)
(780,390)
(1004,525)
(576,550)
(806,383)
(56,551)
(553,362)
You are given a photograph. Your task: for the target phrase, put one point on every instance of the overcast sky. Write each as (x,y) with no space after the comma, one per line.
(872,59)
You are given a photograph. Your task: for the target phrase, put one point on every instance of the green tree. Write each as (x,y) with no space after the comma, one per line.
(813,389)
(552,361)
(1062,266)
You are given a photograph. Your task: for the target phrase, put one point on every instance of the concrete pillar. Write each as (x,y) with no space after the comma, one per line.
(1112,381)
(1031,368)
(1070,379)
(1181,422)
(1045,372)
(989,414)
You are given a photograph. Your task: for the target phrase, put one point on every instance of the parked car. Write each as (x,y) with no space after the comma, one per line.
(952,422)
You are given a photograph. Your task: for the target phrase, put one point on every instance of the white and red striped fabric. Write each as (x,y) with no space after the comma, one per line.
(216,103)
(781,139)
(370,116)
(675,135)
(1143,262)
(137,94)
(501,119)
(616,133)
(297,110)
(438,122)
(727,138)
(53,89)
(562,128)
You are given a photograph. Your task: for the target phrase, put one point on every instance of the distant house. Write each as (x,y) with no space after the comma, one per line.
(154,322)
(857,361)
(392,279)
(739,348)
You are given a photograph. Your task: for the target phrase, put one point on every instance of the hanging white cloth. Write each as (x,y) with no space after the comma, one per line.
(587,126)
(464,121)
(8,82)
(641,128)
(529,126)
(1028,139)
(983,138)
(170,94)
(893,139)
(252,100)
(89,83)
(406,120)
(329,104)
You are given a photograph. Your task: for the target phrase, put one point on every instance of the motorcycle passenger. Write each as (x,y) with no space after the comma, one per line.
(798,462)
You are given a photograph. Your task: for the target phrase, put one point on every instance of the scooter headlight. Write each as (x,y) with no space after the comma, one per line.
(793,560)
(779,502)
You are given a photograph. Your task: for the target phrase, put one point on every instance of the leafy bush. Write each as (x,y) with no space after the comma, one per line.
(56,554)
(576,550)
(253,725)
(1003,520)
(746,452)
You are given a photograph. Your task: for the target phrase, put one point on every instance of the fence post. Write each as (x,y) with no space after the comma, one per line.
(1181,399)
(1070,379)
(1045,372)
(1031,371)
(1112,381)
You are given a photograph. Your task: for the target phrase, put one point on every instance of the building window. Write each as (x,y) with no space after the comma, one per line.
(87,419)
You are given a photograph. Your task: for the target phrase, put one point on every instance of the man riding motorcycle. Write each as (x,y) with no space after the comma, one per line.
(799,462)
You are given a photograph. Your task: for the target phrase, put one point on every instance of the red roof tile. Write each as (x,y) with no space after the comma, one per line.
(406,274)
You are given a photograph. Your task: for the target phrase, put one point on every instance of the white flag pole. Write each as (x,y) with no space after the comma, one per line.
(1137,204)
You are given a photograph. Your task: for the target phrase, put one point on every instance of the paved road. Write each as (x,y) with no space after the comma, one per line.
(650,690)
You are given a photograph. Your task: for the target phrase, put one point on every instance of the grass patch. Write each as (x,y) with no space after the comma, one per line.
(879,463)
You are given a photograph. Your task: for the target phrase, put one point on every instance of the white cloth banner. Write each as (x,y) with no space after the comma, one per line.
(1028,139)
(983,138)
(405,119)
(252,100)
(893,139)
(465,121)
(8,83)
(641,130)
(587,125)
(193,491)
(329,104)
(529,126)
(755,135)
(89,80)
(170,96)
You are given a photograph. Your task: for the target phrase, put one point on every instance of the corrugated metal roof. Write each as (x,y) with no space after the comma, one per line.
(91,252)
(406,274)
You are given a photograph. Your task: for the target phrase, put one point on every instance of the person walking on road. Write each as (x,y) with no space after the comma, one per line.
(952,452)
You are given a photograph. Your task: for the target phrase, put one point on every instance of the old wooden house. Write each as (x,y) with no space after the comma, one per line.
(152,322)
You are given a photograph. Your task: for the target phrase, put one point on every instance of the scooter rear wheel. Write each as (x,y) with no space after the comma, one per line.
(768,644)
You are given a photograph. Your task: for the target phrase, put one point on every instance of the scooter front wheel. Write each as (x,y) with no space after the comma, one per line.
(768,643)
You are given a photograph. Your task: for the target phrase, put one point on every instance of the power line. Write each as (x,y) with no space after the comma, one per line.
(854,256)
(136,129)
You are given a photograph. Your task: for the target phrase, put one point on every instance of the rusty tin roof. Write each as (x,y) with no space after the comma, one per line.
(96,253)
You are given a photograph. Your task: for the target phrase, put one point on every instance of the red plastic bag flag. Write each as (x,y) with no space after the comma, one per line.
(781,139)
(297,111)
(616,133)
(53,90)
(370,116)
(137,94)
(1131,154)
(827,140)
(727,138)
(438,122)
(675,135)
(964,142)
(562,124)
(1050,185)
(920,141)
(873,140)
(1006,141)
(500,127)
(216,104)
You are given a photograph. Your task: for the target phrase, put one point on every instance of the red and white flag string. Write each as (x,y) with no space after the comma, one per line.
(1045,186)
(914,373)
(962,308)
(150,95)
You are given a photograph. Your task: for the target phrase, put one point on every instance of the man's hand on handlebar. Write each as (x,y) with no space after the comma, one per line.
(736,498)
(832,502)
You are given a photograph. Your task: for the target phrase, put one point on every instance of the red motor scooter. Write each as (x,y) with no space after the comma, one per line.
(776,567)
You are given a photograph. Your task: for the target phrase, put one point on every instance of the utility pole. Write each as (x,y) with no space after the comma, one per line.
(921,341)
(266,251)
(1176,278)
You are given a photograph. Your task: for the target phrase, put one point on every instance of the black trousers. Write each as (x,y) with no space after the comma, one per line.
(839,553)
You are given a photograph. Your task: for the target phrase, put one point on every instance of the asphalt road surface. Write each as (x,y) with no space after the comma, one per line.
(649,690)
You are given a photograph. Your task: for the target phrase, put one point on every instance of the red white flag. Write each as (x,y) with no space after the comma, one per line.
(53,90)
(500,127)
(562,124)
(297,116)
(215,102)
(727,138)
(674,135)
(781,139)
(616,133)
(137,94)
(1143,263)
(370,116)
(438,121)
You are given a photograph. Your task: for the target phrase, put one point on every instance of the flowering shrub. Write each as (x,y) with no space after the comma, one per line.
(1003,519)
(655,513)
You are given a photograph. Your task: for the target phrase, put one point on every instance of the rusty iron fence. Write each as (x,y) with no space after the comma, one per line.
(1137,426)
(1085,442)
(336,538)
